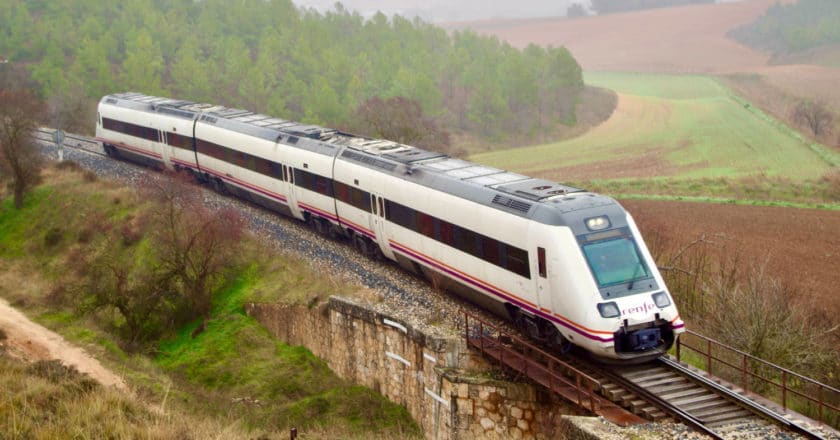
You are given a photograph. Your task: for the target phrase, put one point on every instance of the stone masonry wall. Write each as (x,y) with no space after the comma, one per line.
(439,381)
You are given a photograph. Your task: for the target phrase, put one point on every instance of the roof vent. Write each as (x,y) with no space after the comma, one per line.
(516,205)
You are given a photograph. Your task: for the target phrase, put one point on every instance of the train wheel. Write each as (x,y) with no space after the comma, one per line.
(362,244)
(558,342)
(323,227)
(219,186)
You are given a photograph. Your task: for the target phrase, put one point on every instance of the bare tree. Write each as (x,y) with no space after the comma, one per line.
(193,243)
(20,112)
(114,276)
(71,112)
(401,119)
(814,115)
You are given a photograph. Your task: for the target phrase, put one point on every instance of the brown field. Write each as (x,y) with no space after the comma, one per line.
(688,39)
(801,247)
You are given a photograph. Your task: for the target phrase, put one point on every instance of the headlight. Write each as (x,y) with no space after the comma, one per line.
(608,310)
(597,223)
(661,299)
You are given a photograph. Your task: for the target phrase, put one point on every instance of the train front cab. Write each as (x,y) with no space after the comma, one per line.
(601,288)
(633,300)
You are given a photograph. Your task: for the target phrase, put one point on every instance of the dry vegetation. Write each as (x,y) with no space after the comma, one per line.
(757,282)
(217,374)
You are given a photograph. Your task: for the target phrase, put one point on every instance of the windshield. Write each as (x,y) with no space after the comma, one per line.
(615,261)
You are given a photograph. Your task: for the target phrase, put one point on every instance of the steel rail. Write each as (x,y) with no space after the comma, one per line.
(740,399)
(660,403)
(68,136)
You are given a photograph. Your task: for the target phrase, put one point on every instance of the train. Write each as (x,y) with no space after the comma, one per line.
(567,266)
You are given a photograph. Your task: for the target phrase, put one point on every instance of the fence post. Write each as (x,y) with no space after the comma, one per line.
(709,356)
(821,404)
(784,390)
(293,434)
(744,372)
(679,344)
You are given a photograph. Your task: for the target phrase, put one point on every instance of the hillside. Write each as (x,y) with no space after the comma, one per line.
(685,127)
(687,39)
(224,368)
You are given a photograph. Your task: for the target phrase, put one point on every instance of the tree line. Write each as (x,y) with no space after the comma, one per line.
(269,56)
(793,27)
(601,7)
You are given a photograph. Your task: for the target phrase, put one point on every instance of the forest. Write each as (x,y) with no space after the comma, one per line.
(793,27)
(271,57)
(601,7)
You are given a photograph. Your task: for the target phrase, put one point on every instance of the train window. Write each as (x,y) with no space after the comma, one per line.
(276,170)
(360,199)
(263,166)
(541,262)
(401,215)
(516,261)
(427,224)
(446,234)
(467,241)
(490,251)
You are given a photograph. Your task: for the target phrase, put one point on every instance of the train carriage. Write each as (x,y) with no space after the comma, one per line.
(566,265)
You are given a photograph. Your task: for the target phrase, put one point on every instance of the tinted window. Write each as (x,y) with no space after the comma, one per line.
(615,261)
(465,240)
(130,129)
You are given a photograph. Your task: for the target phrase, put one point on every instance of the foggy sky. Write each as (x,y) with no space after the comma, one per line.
(454,10)
(451,10)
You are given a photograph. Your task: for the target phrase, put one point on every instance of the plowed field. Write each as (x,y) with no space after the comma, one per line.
(801,247)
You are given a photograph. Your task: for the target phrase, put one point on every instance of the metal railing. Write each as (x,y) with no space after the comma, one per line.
(533,362)
(748,368)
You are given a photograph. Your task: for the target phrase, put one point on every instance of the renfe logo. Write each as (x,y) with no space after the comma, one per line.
(642,309)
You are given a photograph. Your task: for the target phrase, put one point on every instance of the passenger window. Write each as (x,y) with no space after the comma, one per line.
(541,262)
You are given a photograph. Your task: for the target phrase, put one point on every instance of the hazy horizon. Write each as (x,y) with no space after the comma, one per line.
(446,10)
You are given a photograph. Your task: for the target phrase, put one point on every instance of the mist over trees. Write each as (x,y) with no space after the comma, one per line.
(601,7)
(271,57)
(793,27)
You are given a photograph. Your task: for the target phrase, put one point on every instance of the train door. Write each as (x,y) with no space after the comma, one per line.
(165,149)
(379,225)
(289,190)
(543,286)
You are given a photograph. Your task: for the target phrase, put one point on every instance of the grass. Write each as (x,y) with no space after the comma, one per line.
(682,128)
(47,400)
(207,375)
(237,357)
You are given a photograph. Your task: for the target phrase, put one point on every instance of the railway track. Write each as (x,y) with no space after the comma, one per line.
(82,143)
(659,391)
(666,388)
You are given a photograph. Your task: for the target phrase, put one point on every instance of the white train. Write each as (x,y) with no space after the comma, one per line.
(567,265)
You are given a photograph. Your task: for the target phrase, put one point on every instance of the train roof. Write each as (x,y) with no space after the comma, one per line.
(541,200)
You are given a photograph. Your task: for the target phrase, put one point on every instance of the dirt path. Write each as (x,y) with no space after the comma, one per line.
(32,342)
